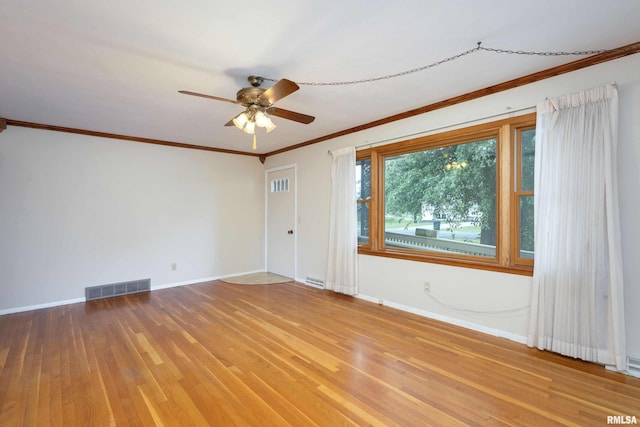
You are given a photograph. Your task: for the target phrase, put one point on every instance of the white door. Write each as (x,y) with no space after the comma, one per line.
(281,238)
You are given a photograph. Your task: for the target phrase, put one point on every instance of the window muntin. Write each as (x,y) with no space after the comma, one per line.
(442,199)
(499,218)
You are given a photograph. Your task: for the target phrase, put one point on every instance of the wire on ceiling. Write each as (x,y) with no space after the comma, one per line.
(458,56)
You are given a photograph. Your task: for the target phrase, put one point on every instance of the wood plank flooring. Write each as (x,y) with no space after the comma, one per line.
(283,354)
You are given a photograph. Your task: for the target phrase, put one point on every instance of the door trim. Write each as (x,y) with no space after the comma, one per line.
(293,166)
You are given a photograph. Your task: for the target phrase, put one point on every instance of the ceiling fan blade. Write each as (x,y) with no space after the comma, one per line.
(279,90)
(186,92)
(290,115)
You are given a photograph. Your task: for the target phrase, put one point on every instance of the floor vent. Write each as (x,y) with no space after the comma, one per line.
(633,366)
(315,282)
(116,289)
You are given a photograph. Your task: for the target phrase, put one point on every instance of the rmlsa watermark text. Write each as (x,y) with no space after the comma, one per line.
(622,419)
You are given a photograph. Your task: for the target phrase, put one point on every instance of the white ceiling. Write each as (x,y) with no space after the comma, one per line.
(116,66)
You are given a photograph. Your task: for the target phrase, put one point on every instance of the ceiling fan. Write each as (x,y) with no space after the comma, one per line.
(259,105)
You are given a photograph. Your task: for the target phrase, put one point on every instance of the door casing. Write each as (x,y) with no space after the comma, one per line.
(294,215)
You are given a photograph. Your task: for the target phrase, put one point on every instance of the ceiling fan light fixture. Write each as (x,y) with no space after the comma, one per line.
(269,126)
(261,119)
(250,128)
(240,120)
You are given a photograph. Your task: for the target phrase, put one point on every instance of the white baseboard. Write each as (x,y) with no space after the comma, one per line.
(205,279)
(39,306)
(462,323)
(153,288)
(473,326)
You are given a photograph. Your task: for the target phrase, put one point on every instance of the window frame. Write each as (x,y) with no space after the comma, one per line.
(365,202)
(518,192)
(507,257)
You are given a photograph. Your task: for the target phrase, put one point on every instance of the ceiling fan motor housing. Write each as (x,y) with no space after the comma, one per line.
(252,96)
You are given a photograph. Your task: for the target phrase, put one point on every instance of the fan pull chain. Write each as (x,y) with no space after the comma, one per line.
(254,141)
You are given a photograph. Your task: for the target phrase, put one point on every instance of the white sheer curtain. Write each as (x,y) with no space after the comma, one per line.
(577,295)
(342,262)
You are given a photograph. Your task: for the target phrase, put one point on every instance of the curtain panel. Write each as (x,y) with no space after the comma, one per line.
(342,261)
(577,304)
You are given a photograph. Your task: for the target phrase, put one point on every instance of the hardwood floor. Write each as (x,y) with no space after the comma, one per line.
(284,354)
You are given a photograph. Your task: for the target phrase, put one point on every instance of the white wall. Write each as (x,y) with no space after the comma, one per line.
(78,211)
(469,296)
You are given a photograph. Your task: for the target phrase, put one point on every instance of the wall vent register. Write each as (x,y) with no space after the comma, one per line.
(116,289)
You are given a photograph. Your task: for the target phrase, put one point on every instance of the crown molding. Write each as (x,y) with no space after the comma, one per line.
(54,128)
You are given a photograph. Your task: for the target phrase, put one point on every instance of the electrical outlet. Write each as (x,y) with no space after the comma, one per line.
(174,266)
(427,287)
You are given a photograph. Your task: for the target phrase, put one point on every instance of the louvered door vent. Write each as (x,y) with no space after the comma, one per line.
(116,289)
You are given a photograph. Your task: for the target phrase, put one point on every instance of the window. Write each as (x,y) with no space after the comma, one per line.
(442,199)
(463,197)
